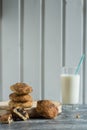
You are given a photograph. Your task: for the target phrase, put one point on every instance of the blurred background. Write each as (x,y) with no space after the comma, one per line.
(37,38)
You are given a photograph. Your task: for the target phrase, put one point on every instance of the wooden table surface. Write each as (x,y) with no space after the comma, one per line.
(67,120)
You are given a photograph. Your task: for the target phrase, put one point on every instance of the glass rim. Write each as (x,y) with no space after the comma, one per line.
(68,69)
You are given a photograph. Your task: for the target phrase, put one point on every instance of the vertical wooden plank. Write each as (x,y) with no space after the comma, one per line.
(74,35)
(0,50)
(32,50)
(53,48)
(10,46)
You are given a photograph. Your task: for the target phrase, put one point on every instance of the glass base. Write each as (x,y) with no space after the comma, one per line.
(69,107)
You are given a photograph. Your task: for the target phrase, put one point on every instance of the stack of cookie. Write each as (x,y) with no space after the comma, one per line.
(21,96)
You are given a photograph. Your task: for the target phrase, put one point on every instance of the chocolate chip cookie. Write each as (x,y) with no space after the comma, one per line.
(21,88)
(27,104)
(47,109)
(20,98)
(6,118)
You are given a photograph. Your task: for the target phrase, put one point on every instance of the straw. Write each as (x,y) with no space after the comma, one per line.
(80,62)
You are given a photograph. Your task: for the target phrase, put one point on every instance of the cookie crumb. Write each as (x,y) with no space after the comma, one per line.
(77,116)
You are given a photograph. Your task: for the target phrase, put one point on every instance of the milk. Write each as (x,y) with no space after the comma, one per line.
(70,85)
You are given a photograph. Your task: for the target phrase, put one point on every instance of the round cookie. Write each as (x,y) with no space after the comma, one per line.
(47,109)
(27,104)
(21,88)
(20,98)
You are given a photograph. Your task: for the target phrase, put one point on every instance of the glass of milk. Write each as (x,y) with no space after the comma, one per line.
(70,87)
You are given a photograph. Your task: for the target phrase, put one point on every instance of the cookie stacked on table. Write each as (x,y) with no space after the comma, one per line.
(21,96)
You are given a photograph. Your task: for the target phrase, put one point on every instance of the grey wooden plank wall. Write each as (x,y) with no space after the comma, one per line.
(37,37)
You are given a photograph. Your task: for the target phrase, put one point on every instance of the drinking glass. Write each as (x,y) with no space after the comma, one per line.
(70,87)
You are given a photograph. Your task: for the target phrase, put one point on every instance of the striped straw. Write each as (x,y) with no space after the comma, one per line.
(80,62)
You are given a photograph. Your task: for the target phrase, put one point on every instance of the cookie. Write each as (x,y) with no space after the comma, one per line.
(19,114)
(27,104)
(20,98)
(6,118)
(21,88)
(47,109)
